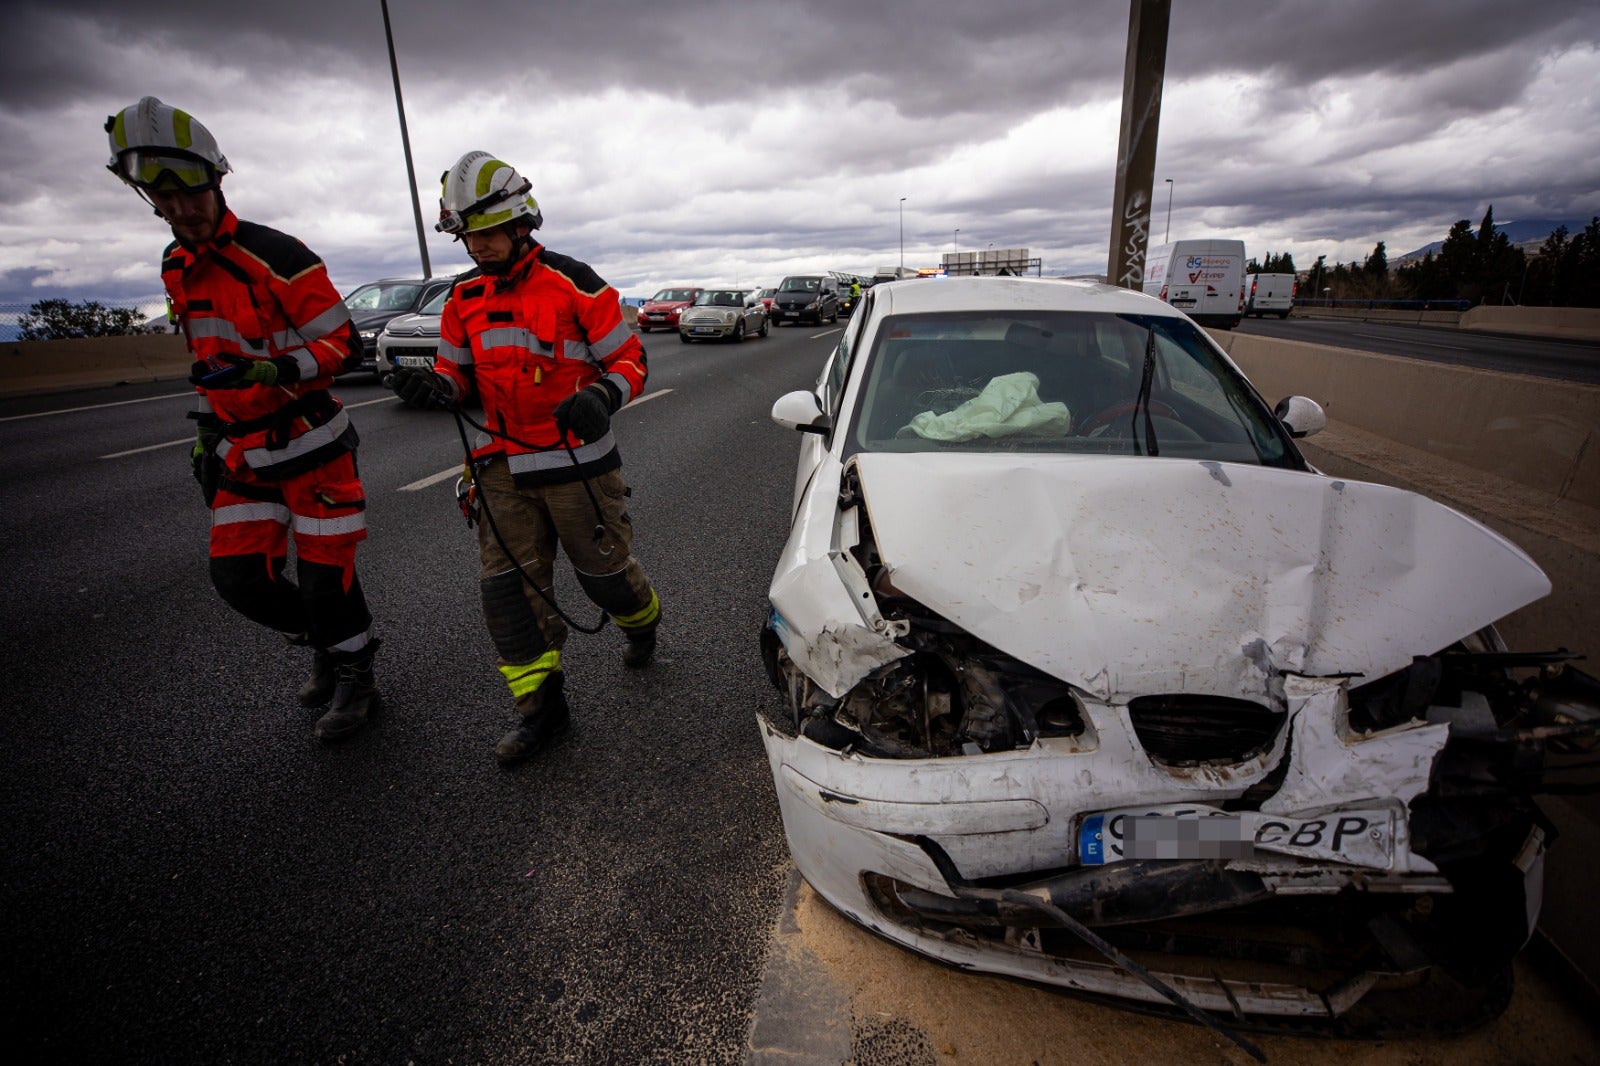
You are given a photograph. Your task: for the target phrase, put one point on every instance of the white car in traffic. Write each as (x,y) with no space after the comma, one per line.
(1079,660)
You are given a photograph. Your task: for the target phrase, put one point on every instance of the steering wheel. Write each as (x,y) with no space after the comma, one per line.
(1108,415)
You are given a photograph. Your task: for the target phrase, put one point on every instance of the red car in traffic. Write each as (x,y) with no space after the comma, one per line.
(661,310)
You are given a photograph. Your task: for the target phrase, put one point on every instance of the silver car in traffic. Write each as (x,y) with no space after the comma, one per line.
(723,314)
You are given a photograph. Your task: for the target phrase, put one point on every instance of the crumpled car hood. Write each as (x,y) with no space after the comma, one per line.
(1128,576)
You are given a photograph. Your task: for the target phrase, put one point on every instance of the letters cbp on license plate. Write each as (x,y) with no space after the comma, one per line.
(1177,831)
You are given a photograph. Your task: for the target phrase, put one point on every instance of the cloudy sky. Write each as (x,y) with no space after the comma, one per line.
(731,142)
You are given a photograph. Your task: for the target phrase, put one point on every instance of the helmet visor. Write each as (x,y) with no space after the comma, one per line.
(155,169)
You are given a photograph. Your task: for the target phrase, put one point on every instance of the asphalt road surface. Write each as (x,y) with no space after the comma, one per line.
(189,876)
(1542,357)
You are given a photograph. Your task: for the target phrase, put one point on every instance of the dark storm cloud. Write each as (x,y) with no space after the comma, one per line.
(923,57)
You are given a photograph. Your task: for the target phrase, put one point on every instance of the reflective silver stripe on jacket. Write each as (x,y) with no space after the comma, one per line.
(205,405)
(622,386)
(330,527)
(538,462)
(458,356)
(266,458)
(307,363)
(577,350)
(325,323)
(515,337)
(235,513)
(220,328)
(611,342)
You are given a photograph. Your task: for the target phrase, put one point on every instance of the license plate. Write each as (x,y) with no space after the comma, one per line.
(1352,837)
(655,318)
(1184,303)
(705,329)
(413,360)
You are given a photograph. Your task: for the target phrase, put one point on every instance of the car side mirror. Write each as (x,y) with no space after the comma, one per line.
(800,410)
(1300,415)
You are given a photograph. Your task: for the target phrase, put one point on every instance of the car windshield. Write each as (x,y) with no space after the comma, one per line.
(720,298)
(800,285)
(435,306)
(383,296)
(1058,382)
(673,295)
(767,294)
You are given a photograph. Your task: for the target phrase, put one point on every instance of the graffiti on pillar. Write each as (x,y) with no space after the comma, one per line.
(1135,222)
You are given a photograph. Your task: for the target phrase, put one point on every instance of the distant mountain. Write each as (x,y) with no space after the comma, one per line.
(1527,234)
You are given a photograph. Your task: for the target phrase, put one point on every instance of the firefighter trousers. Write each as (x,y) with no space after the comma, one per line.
(251,520)
(534,522)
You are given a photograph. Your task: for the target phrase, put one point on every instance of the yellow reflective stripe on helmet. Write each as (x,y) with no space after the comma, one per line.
(476,222)
(180,129)
(486,173)
(119,129)
(639,619)
(523,678)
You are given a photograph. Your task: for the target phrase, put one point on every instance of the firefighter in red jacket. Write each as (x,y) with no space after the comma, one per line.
(275,450)
(540,338)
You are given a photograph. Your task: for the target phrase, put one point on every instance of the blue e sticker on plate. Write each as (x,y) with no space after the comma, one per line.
(1091,841)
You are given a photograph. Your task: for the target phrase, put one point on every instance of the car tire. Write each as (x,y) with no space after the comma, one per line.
(766,326)
(738,332)
(834,318)
(683,338)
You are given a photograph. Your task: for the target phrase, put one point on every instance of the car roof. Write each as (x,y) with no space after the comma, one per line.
(989,293)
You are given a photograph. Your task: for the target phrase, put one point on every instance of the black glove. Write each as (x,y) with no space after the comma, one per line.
(227,371)
(205,464)
(586,414)
(423,388)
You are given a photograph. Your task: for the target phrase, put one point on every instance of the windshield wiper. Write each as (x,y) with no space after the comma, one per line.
(1141,402)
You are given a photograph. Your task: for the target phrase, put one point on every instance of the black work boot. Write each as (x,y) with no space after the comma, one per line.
(355,695)
(639,648)
(540,726)
(318,688)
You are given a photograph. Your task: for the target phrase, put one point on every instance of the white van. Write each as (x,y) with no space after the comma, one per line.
(1270,294)
(1202,278)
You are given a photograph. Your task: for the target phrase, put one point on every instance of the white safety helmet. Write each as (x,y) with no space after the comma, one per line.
(155,145)
(481,192)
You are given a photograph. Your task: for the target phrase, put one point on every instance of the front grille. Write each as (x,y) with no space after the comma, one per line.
(1185,729)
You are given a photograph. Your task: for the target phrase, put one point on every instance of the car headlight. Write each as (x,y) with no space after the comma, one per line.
(369,335)
(813,305)
(729,316)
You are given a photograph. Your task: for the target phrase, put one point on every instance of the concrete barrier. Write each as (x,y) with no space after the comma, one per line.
(1565,323)
(1536,432)
(1561,323)
(29,367)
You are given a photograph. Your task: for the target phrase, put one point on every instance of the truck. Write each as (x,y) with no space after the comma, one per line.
(1204,278)
(1270,294)
(892,273)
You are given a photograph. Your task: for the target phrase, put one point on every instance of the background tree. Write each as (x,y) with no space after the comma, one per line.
(54,320)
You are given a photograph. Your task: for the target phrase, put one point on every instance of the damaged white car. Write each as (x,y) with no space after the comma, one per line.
(1089,679)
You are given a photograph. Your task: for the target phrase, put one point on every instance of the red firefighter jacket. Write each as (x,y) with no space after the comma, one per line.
(254,292)
(526,341)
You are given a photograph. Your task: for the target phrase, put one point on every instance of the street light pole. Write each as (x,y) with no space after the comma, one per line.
(955,242)
(405,143)
(1168,235)
(902,233)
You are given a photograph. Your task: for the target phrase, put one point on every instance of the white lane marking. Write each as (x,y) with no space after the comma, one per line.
(826,333)
(148,448)
(1396,340)
(455,471)
(98,406)
(190,440)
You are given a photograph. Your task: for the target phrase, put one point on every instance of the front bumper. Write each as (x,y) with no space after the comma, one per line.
(916,850)
(658,320)
(708,330)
